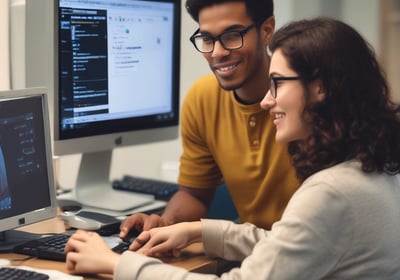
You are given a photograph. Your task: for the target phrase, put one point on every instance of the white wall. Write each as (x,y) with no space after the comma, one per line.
(361,14)
(147,160)
(4,46)
(17,36)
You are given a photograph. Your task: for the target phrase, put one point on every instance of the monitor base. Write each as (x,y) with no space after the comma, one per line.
(68,202)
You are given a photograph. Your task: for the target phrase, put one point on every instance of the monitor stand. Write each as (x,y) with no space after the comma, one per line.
(93,187)
(10,238)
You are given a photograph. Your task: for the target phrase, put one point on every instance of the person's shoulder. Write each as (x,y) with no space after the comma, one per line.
(350,179)
(337,172)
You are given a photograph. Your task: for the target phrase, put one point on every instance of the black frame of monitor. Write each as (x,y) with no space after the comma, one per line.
(25,216)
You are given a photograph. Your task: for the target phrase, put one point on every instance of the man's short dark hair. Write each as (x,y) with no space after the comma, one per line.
(258,10)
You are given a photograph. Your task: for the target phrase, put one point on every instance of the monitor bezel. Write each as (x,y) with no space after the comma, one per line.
(50,211)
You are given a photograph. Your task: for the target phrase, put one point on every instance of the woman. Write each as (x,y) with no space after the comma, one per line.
(330,102)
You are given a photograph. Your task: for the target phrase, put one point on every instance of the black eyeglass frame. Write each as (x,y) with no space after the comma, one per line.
(273,81)
(242,32)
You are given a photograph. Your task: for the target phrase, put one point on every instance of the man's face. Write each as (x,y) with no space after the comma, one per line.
(238,68)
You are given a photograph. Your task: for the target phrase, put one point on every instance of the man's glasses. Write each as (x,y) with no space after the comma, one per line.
(274,81)
(230,40)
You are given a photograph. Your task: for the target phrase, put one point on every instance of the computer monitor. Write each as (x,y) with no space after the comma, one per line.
(27,192)
(117,84)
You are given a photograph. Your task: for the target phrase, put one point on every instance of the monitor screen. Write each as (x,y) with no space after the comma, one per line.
(117,84)
(27,192)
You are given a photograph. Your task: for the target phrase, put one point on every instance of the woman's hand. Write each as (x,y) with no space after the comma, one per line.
(87,252)
(167,240)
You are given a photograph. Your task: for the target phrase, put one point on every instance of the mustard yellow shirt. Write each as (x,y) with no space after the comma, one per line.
(225,141)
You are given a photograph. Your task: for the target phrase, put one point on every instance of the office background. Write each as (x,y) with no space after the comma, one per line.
(20,49)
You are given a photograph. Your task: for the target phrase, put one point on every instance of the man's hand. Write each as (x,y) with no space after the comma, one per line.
(140,222)
(185,205)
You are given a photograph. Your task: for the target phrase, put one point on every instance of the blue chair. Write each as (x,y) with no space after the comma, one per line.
(222,206)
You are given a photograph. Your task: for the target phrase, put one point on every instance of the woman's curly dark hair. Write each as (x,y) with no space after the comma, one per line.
(357,120)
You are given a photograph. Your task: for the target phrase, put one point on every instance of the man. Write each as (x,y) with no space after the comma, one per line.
(226,136)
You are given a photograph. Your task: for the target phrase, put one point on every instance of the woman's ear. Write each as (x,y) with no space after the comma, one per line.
(318,91)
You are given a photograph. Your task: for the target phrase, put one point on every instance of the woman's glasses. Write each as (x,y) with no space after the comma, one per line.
(274,81)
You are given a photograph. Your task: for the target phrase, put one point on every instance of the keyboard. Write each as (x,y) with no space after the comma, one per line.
(162,190)
(13,273)
(52,247)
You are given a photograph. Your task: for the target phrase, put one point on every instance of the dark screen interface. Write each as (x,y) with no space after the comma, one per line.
(23,168)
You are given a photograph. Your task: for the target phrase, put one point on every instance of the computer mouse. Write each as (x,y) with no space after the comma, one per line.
(79,222)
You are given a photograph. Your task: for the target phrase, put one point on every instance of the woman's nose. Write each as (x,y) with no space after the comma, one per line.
(268,101)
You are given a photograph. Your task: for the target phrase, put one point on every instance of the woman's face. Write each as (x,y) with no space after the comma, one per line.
(287,108)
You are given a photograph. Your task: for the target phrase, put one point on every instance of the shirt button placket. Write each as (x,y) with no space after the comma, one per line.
(252,123)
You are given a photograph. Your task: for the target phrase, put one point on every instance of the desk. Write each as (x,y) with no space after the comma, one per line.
(191,259)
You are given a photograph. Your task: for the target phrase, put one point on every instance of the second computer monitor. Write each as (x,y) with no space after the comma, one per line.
(117,83)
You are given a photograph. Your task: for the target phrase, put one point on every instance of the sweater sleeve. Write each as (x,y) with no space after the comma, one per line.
(228,240)
(136,266)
